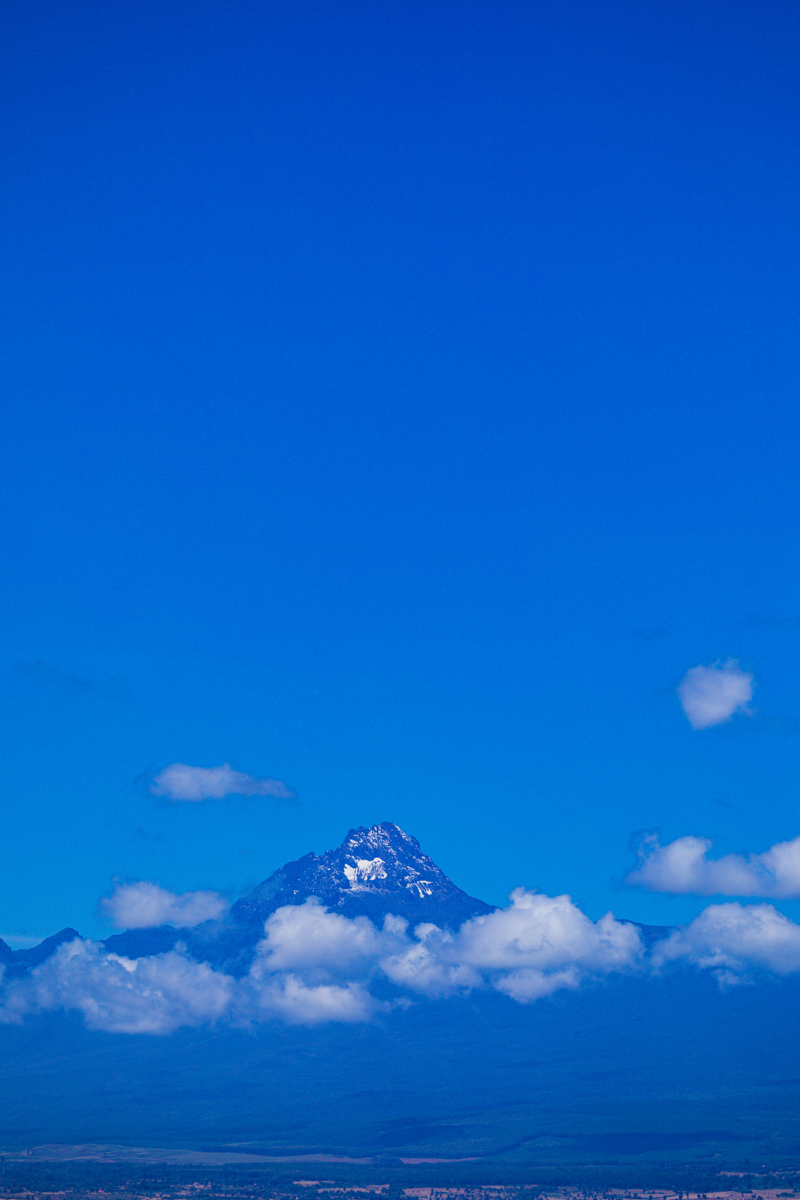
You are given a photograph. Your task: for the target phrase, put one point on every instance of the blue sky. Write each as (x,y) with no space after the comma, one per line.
(400,399)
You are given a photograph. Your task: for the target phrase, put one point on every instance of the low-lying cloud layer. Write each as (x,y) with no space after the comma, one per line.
(711,695)
(683,867)
(313,966)
(179,781)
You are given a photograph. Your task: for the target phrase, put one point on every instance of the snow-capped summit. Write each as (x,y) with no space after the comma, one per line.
(375,871)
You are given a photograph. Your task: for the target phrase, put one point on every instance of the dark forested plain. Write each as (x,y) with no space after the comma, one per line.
(633,1073)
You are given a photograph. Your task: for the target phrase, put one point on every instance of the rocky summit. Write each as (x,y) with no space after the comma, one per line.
(375,871)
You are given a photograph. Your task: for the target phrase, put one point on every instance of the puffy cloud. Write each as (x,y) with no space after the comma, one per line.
(733,938)
(683,866)
(179,781)
(430,966)
(313,965)
(119,995)
(537,945)
(308,938)
(141,905)
(547,932)
(288,997)
(711,695)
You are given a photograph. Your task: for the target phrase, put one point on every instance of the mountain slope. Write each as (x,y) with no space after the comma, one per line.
(590,1073)
(20,962)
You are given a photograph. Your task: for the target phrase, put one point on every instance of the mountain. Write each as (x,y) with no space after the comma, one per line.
(19,962)
(630,1070)
(375,871)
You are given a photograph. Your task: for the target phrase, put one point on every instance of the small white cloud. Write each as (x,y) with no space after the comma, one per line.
(683,867)
(142,905)
(295,1002)
(732,938)
(527,985)
(711,695)
(179,781)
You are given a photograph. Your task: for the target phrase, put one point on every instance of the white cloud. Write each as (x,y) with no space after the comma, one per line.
(733,938)
(683,867)
(119,995)
(313,965)
(141,905)
(711,695)
(426,966)
(287,996)
(527,985)
(308,938)
(179,781)
(538,944)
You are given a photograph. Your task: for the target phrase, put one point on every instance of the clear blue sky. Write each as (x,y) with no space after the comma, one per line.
(399,399)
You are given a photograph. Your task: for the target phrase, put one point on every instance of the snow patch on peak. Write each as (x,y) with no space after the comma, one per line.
(366,870)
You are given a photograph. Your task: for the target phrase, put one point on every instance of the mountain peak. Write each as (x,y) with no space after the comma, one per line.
(385,834)
(376,870)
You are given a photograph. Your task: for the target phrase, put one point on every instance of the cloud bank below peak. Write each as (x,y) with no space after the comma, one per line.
(182,782)
(313,966)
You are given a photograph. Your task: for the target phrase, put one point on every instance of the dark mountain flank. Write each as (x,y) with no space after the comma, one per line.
(20,962)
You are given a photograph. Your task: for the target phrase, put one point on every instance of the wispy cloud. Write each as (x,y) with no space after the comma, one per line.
(711,695)
(683,867)
(49,676)
(142,905)
(179,781)
(45,673)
